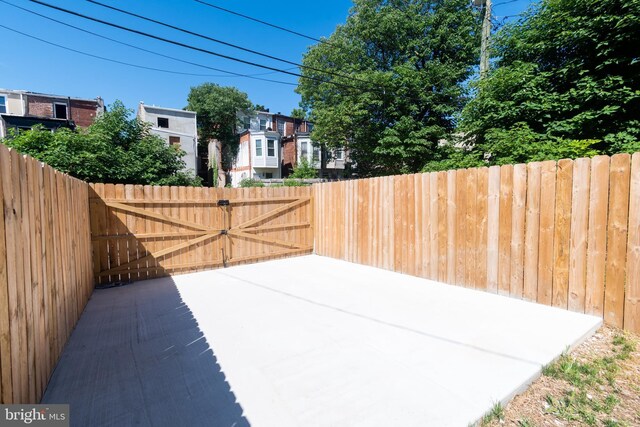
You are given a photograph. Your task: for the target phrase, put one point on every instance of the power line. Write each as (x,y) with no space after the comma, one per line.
(232,45)
(198,49)
(262,22)
(228,73)
(505,2)
(144,67)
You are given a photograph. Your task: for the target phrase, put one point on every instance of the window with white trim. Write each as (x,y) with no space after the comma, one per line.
(258,148)
(271,148)
(304,152)
(339,155)
(263,124)
(316,154)
(3,104)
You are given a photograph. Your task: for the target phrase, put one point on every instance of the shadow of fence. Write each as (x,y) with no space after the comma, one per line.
(139,357)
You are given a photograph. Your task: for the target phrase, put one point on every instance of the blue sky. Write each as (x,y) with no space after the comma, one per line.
(32,65)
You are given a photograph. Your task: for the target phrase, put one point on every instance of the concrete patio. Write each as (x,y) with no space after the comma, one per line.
(307,341)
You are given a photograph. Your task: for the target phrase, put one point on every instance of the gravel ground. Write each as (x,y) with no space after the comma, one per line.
(532,407)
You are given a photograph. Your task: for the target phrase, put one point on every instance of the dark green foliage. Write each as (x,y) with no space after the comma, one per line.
(217,108)
(566,83)
(114,149)
(407,60)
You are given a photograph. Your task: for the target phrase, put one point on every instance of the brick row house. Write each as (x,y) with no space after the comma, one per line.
(271,145)
(21,109)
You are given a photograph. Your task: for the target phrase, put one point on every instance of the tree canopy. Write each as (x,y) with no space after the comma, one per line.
(116,148)
(565,83)
(217,107)
(397,72)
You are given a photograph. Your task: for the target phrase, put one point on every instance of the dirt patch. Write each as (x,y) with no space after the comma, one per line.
(597,384)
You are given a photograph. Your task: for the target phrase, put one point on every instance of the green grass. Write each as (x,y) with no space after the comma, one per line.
(525,422)
(583,402)
(496,413)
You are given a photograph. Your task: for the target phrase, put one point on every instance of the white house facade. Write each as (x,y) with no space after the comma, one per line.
(176,127)
(259,153)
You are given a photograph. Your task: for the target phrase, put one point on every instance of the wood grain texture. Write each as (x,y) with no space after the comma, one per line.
(617,229)
(506,218)
(518,210)
(632,291)
(46,271)
(547,229)
(579,235)
(532,232)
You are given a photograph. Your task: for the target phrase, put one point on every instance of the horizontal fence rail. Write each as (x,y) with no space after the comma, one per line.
(140,232)
(565,234)
(46,272)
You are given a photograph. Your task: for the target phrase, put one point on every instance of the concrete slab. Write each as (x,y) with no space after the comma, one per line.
(307,341)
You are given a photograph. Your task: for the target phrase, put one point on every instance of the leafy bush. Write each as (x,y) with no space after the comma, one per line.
(114,149)
(250,182)
(294,183)
(304,170)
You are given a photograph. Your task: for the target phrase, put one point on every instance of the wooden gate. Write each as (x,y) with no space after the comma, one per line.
(141,232)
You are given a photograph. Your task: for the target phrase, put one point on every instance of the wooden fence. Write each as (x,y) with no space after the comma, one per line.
(565,233)
(140,232)
(45,271)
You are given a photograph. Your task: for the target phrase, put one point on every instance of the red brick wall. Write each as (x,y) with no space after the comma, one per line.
(82,112)
(38,106)
(288,128)
(289,156)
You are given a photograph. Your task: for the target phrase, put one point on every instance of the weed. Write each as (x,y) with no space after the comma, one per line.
(496,413)
(525,422)
(609,422)
(623,347)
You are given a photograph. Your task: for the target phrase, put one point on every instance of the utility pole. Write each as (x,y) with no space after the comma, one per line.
(486,34)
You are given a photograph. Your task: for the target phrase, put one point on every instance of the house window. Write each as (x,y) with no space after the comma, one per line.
(3,104)
(246,122)
(263,124)
(339,155)
(258,148)
(304,152)
(316,154)
(174,140)
(268,175)
(281,126)
(271,148)
(163,122)
(60,111)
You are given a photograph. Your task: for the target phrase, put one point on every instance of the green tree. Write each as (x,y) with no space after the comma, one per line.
(566,83)
(299,113)
(217,108)
(114,149)
(406,62)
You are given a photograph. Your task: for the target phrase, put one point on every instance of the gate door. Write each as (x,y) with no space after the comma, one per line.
(141,232)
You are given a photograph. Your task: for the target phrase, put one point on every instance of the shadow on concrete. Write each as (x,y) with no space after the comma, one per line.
(138,357)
